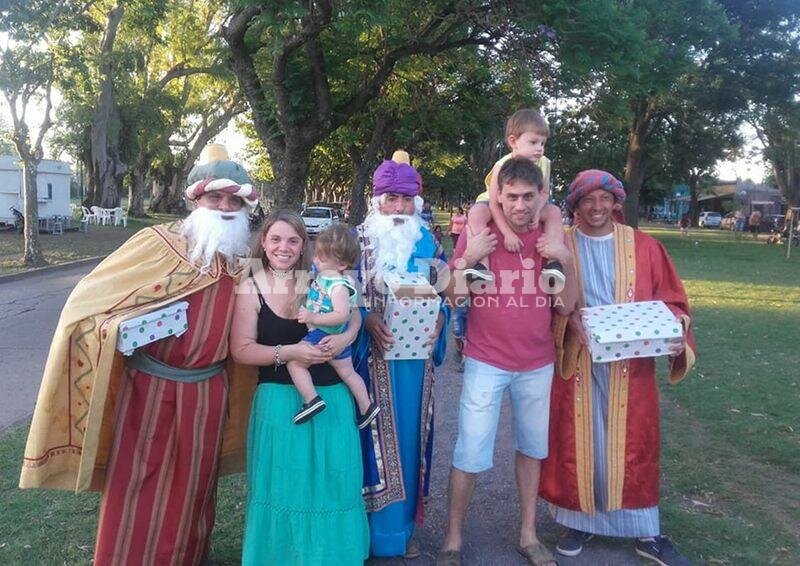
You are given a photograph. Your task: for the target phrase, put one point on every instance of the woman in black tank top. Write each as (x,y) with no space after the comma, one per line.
(274,330)
(304,479)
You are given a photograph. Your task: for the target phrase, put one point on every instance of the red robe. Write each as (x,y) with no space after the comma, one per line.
(644,272)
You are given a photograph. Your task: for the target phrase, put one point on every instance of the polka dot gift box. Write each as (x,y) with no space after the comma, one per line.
(412,307)
(630,330)
(162,323)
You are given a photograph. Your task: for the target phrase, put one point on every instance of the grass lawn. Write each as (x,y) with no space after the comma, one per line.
(73,245)
(731,434)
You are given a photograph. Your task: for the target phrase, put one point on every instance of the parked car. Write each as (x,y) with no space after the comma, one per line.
(709,220)
(317,218)
(729,222)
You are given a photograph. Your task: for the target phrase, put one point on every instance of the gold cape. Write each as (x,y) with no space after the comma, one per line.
(72,428)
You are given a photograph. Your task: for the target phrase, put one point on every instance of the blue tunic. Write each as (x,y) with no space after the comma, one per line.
(393,517)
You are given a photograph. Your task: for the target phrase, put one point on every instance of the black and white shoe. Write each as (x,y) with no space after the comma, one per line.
(661,550)
(308,410)
(365,419)
(552,278)
(478,273)
(571,542)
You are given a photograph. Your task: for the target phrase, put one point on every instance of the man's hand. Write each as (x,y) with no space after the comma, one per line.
(479,246)
(511,242)
(677,347)
(436,331)
(380,333)
(576,325)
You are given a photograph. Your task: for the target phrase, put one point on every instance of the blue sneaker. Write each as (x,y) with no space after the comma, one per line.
(572,541)
(661,550)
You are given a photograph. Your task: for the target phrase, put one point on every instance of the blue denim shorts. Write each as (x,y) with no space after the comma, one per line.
(314,336)
(479,413)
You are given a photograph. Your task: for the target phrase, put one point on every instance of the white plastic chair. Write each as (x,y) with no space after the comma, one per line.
(88,215)
(102,214)
(120,217)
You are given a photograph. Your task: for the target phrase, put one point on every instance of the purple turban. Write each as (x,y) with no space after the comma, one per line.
(590,180)
(393,177)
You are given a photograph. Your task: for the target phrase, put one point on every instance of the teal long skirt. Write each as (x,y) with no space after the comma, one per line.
(304,505)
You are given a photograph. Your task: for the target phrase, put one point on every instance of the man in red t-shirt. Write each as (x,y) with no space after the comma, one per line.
(509,345)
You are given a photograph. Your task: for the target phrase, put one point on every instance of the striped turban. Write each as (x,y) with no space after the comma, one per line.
(591,180)
(223,175)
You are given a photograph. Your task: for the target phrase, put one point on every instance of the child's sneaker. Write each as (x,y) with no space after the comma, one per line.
(365,419)
(308,410)
(552,279)
(478,273)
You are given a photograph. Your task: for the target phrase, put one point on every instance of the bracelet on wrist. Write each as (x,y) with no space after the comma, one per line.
(277,353)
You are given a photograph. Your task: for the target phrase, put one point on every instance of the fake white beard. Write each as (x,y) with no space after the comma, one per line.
(209,233)
(393,243)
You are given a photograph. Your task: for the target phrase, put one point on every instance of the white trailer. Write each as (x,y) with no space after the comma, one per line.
(52,188)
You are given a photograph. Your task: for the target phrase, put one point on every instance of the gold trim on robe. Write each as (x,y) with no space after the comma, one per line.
(72,427)
(625,283)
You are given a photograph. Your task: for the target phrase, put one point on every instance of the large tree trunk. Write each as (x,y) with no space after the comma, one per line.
(634,164)
(290,164)
(32,256)
(87,178)
(136,190)
(108,169)
(168,198)
(787,177)
(694,209)
(634,175)
(363,164)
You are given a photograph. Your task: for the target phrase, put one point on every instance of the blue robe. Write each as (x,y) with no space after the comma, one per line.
(397,448)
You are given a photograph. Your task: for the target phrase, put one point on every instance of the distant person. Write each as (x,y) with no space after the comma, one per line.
(684,224)
(427,213)
(457,222)
(602,474)
(437,233)
(739,223)
(754,222)
(526,134)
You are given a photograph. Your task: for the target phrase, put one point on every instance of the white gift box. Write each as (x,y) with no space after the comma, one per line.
(630,330)
(162,323)
(410,312)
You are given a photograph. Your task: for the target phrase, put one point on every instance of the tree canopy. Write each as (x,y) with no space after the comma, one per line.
(653,91)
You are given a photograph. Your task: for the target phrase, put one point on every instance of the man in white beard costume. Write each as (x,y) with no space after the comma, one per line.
(397,448)
(153,430)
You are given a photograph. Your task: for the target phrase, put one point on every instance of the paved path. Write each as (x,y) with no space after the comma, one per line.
(491,530)
(29,310)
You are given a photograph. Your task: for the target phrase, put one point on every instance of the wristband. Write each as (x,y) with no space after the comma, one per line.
(278,361)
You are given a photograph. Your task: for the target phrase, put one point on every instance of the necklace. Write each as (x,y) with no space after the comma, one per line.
(281,273)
